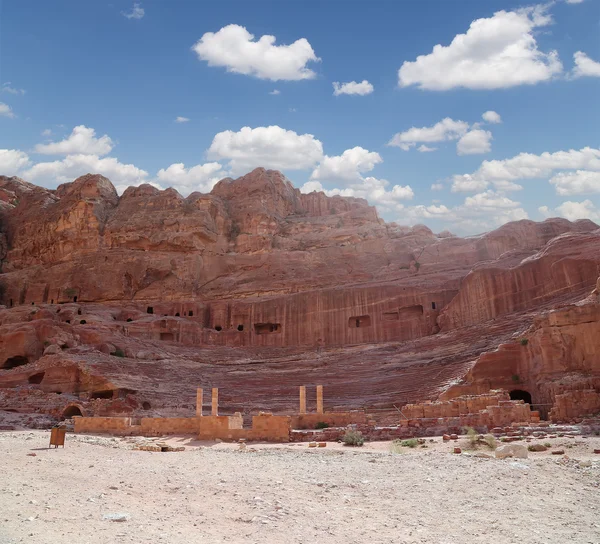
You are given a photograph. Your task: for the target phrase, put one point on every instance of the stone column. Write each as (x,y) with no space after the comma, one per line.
(199,397)
(319,399)
(215,401)
(303,399)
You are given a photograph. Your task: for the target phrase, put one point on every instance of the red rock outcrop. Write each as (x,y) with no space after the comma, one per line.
(127,304)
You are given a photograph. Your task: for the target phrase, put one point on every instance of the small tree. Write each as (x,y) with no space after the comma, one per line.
(353,438)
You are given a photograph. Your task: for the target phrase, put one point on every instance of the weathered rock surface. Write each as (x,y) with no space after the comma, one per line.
(124,305)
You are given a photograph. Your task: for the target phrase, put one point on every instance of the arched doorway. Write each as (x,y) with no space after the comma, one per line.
(520,394)
(71,411)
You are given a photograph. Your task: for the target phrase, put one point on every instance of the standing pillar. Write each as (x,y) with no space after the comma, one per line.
(319,399)
(303,399)
(215,401)
(199,397)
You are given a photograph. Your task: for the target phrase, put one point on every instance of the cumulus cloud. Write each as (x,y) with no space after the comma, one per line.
(234,48)
(437,186)
(346,167)
(474,142)
(504,173)
(574,1)
(201,177)
(73,166)
(446,129)
(491,117)
(275,92)
(82,140)
(585,66)
(181,119)
(12,161)
(5,110)
(271,147)
(7,88)
(481,212)
(573,210)
(576,183)
(352,87)
(425,149)
(137,12)
(496,52)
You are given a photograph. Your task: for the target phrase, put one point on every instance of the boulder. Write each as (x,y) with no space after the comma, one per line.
(511,450)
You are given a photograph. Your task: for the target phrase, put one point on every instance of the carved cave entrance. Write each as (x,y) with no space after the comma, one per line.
(167,336)
(359,321)
(71,411)
(519,394)
(266,328)
(36,379)
(13,362)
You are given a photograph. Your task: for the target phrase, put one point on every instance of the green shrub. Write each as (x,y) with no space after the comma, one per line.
(409,443)
(524,341)
(472,437)
(490,442)
(118,353)
(353,438)
(547,444)
(321,425)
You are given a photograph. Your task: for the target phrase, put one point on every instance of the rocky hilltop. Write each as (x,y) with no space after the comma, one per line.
(127,304)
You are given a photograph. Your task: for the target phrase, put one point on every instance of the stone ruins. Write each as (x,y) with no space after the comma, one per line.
(119,311)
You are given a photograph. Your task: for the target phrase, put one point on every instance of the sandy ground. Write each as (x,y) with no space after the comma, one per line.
(289,493)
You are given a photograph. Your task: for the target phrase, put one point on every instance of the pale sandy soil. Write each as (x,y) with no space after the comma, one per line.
(292,494)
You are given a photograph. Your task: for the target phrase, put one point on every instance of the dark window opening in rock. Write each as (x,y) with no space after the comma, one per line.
(266,328)
(68,321)
(74,299)
(519,394)
(106,394)
(58,311)
(52,301)
(359,321)
(240,328)
(36,378)
(433,305)
(79,311)
(149,310)
(10,303)
(13,362)
(177,314)
(83,322)
(33,303)
(146,405)
(190,313)
(218,328)
(410,312)
(71,411)
(391,316)
(167,336)
(129,320)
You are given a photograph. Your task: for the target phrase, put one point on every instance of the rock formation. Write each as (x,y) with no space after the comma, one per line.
(124,305)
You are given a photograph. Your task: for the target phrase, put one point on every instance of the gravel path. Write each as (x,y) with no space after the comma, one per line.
(292,494)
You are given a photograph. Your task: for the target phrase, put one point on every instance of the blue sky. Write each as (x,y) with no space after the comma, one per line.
(99,86)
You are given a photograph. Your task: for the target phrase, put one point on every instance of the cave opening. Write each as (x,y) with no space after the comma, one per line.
(433,305)
(36,379)
(74,299)
(146,405)
(71,411)
(13,362)
(190,313)
(240,328)
(359,321)
(167,336)
(218,328)
(149,310)
(519,394)
(105,394)
(266,328)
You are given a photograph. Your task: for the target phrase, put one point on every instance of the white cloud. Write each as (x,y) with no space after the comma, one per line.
(346,167)
(137,12)
(437,186)
(481,212)
(82,140)
(271,147)
(496,52)
(573,211)
(275,92)
(234,48)
(503,173)
(181,119)
(6,88)
(585,66)
(5,110)
(574,1)
(475,142)
(576,183)
(425,149)
(201,177)
(73,166)
(491,117)
(47,132)
(352,87)
(446,129)
(12,161)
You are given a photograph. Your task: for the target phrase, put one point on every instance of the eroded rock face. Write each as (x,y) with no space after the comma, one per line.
(136,300)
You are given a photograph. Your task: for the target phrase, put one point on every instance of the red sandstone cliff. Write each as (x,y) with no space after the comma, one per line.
(258,288)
